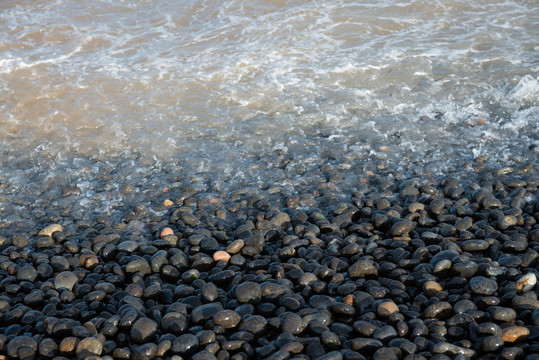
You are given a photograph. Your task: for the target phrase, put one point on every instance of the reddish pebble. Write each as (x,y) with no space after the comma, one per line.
(166,232)
(349,299)
(221,255)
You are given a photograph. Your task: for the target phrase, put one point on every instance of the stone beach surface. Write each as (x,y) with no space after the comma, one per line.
(335,266)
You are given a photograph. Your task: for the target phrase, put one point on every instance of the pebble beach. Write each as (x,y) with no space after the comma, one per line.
(269,179)
(397,267)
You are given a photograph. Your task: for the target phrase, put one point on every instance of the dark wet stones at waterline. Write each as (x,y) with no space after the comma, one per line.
(410,269)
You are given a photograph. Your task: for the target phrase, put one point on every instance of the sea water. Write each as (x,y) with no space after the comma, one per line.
(222,94)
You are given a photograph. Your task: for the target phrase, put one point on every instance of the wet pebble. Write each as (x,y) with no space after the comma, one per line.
(483,286)
(143,330)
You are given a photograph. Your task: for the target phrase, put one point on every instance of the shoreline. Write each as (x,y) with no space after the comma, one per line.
(395,266)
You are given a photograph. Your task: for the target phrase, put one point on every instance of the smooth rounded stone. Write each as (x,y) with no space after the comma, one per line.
(292,324)
(143,330)
(307,279)
(138,265)
(499,313)
(272,291)
(342,309)
(17,343)
(366,345)
(526,282)
(511,353)
(68,345)
(385,333)
(128,246)
(235,246)
(406,346)
(89,347)
(320,301)
(205,312)
(255,324)
(190,275)
(402,227)
(59,263)
(134,290)
(491,343)
(185,345)
(50,230)
(387,308)
(440,310)
(248,292)
(203,355)
(463,224)
(506,222)
(442,267)
(450,255)
(27,273)
(474,245)
(361,269)
(488,328)
(431,288)
(209,245)
(330,340)
(463,306)
(20,241)
(483,286)
(520,303)
(48,348)
(515,333)
(385,354)
(189,219)
(466,269)
(209,292)
(65,280)
(444,347)
(144,352)
(227,319)
(221,256)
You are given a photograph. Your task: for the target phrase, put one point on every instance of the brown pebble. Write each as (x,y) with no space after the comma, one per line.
(221,255)
(68,345)
(387,308)
(349,299)
(166,231)
(50,230)
(515,333)
(168,202)
(89,261)
(431,288)
(235,246)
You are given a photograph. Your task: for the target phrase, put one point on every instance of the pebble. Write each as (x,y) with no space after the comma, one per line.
(166,232)
(227,319)
(515,333)
(483,286)
(361,269)
(221,255)
(249,292)
(89,347)
(526,282)
(16,344)
(143,330)
(396,269)
(293,324)
(65,280)
(387,308)
(50,230)
(431,288)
